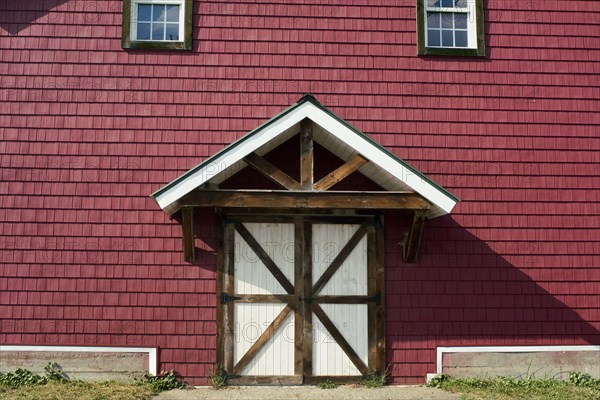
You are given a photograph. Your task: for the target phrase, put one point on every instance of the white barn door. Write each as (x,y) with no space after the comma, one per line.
(300,300)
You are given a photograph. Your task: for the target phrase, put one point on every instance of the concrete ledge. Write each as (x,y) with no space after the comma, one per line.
(519,362)
(85,363)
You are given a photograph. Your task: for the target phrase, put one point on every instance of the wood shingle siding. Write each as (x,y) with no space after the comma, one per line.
(88,131)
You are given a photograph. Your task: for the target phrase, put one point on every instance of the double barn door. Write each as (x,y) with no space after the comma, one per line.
(301,299)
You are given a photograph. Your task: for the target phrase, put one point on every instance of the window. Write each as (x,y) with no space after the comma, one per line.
(157,24)
(450,27)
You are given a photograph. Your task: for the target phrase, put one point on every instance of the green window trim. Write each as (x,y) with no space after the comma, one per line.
(185,44)
(422,49)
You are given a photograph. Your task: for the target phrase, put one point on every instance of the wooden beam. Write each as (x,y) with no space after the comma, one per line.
(277,380)
(338,379)
(346,299)
(413,238)
(264,298)
(340,173)
(271,172)
(305,200)
(187,226)
(263,339)
(306,155)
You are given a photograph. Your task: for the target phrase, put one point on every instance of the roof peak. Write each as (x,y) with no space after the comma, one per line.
(308,97)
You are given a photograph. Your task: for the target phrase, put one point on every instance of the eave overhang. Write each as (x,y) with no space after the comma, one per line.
(195,188)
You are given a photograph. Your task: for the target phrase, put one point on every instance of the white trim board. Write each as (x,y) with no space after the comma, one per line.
(152,351)
(507,349)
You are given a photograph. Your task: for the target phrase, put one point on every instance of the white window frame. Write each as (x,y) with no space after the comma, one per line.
(475,29)
(134,21)
(470,10)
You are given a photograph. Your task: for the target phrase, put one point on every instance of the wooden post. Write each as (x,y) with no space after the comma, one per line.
(307,335)
(187,225)
(306,155)
(298,294)
(221,267)
(228,287)
(380,276)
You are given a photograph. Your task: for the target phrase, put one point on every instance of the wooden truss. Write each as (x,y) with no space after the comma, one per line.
(305,195)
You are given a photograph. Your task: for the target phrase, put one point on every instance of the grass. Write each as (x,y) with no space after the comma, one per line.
(56,385)
(76,390)
(578,386)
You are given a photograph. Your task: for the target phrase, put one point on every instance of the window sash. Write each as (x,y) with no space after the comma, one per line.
(476,28)
(134,21)
(470,11)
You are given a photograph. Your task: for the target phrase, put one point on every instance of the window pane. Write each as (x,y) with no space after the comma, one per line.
(447,20)
(158,31)
(448,3)
(143,31)
(158,13)
(433,20)
(172,13)
(433,3)
(433,38)
(460,20)
(447,39)
(461,39)
(143,12)
(172,32)
(461,3)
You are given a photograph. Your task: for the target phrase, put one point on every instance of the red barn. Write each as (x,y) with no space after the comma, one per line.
(172,198)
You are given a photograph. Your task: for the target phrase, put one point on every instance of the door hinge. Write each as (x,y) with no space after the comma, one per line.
(226,298)
(375,299)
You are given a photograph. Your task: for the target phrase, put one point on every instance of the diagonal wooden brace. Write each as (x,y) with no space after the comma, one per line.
(413,239)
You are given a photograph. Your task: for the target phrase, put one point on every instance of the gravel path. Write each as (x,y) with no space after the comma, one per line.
(309,392)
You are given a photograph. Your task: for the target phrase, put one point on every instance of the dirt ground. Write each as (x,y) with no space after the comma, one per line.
(309,392)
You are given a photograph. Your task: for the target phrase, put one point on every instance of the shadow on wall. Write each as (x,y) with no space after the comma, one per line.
(16,15)
(462,292)
(206,240)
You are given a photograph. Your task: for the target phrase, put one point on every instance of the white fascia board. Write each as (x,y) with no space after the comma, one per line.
(152,352)
(380,158)
(506,349)
(443,203)
(229,158)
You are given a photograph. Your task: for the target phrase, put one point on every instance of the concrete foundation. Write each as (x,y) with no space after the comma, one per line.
(521,365)
(90,366)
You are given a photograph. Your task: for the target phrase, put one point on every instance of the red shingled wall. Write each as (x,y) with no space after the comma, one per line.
(88,131)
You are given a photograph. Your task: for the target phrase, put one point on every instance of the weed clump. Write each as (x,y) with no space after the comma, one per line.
(327,384)
(166,380)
